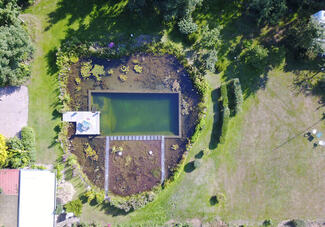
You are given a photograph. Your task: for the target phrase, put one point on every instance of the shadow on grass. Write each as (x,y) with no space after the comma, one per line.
(189,167)
(199,155)
(216,130)
(214,200)
(51,62)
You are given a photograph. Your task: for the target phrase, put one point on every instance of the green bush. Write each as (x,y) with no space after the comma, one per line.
(187,26)
(297,223)
(74,206)
(225,113)
(197,163)
(28,138)
(235,95)
(267,223)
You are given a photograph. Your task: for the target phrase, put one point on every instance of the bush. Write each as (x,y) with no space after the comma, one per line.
(255,56)
(225,113)
(211,59)
(187,26)
(28,138)
(3,151)
(74,206)
(235,94)
(297,223)
(197,163)
(267,223)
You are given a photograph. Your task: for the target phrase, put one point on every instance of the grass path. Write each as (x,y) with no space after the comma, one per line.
(43,87)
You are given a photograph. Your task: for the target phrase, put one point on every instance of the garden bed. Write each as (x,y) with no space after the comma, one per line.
(135,170)
(158,74)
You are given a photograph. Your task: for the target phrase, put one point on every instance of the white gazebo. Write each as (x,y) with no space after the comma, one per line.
(87,123)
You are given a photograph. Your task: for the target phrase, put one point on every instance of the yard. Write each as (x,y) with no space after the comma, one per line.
(266,168)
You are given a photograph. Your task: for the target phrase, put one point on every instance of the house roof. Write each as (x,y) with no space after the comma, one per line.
(9,180)
(36,198)
(320,16)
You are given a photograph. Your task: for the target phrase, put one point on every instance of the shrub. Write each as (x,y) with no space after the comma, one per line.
(225,113)
(187,26)
(58,209)
(97,71)
(211,59)
(297,223)
(85,69)
(197,163)
(267,223)
(255,56)
(138,69)
(28,138)
(74,206)
(125,69)
(3,151)
(90,153)
(235,94)
(122,77)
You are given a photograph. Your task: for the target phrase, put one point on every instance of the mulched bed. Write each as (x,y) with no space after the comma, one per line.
(159,74)
(135,170)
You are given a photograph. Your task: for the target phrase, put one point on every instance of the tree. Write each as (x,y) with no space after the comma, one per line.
(187,26)
(268,11)
(255,56)
(3,151)
(210,38)
(15,45)
(74,206)
(302,38)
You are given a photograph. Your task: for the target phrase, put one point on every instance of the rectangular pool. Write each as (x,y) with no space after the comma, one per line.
(130,113)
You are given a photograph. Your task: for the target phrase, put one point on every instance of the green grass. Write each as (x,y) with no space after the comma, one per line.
(264,167)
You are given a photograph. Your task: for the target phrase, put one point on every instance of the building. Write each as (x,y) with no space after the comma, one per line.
(319,19)
(28,198)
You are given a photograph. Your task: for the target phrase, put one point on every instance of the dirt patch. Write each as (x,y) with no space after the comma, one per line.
(136,170)
(159,73)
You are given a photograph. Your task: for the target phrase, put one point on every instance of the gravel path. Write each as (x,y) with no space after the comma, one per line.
(13,110)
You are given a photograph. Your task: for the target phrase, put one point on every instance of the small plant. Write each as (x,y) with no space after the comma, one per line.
(74,206)
(267,223)
(78,88)
(138,69)
(91,153)
(0,191)
(85,69)
(174,147)
(123,78)
(125,69)
(110,72)
(135,61)
(58,209)
(97,71)
(77,80)
(197,163)
(116,149)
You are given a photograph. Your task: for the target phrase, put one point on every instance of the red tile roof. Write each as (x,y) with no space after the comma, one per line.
(9,180)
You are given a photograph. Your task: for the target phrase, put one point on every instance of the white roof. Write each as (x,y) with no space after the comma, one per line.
(36,198)
(91,118)
(320,16)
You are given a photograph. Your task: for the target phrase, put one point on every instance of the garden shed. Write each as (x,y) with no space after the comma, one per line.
(36,198)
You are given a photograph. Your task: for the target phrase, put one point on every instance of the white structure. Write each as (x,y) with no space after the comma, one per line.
(87,123)
(319,18)
(36,198)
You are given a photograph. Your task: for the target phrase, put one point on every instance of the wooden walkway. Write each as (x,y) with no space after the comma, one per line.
(135,138)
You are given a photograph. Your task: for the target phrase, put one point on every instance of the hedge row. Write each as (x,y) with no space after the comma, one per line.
(235,95)
(225,112)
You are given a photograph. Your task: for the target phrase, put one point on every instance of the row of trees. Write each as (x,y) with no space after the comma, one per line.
(18,153)
(15,45)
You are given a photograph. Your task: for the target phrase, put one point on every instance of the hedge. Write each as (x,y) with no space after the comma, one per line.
(235,95)
(225,112)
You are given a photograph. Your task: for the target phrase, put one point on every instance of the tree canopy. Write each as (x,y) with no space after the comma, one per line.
(16,47)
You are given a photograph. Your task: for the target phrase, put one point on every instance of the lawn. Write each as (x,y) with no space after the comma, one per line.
(265,166)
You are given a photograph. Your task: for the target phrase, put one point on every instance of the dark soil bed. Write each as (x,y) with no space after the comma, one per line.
(135,170)
(160,73)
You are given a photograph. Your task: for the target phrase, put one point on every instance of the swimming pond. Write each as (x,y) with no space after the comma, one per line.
(125,113)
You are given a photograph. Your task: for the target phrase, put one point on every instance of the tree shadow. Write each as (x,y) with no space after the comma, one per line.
(199,155)
(51,61)
(216,129)
(189,167)
(214,200)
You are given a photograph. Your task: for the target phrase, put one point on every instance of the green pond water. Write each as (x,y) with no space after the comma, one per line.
(137,113)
